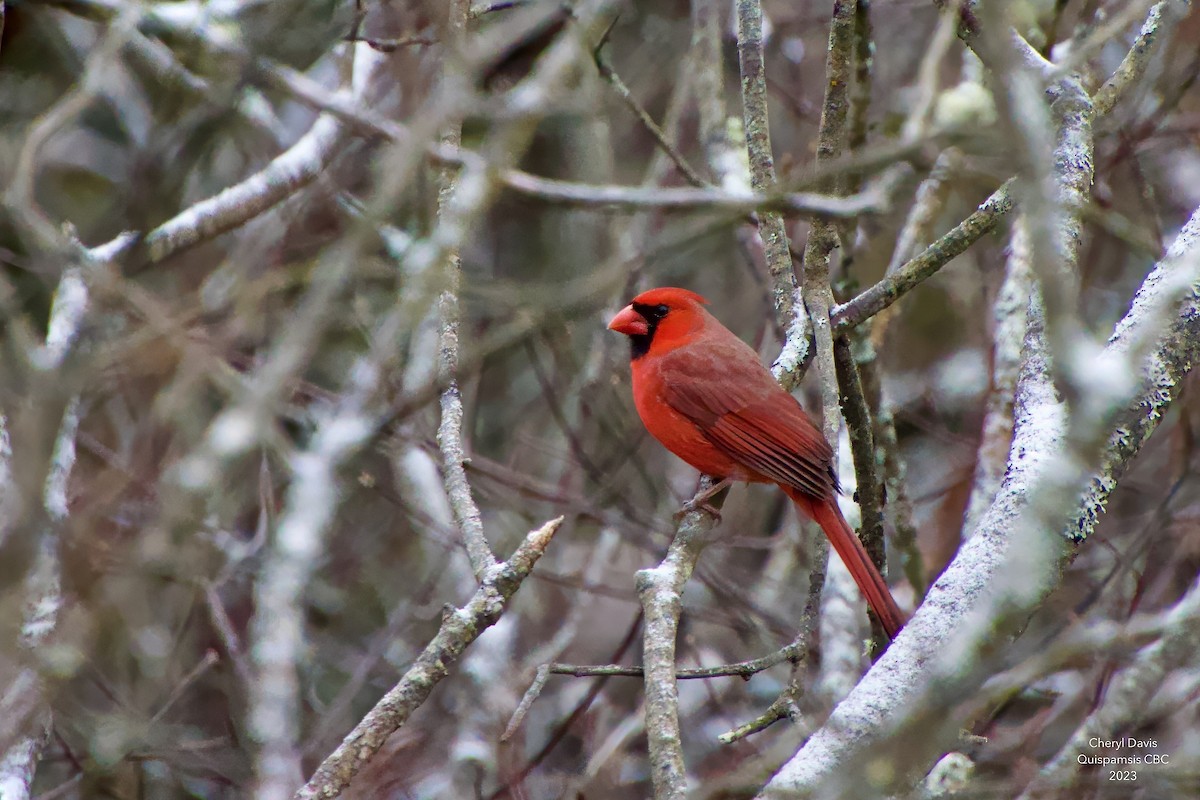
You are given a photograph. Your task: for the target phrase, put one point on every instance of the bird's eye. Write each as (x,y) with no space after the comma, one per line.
(661,310)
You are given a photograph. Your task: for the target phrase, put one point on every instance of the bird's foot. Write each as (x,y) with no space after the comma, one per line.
(702,505)
(700,501)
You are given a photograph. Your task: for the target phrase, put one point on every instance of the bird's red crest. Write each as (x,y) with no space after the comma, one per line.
(670,296)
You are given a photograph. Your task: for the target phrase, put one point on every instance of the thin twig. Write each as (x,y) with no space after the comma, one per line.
(450,430)
(643,116)
(742,669)
(229,637)
(785,706)
(20,197)
(955,242)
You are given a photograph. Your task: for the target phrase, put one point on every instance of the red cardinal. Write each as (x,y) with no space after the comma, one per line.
(703,393)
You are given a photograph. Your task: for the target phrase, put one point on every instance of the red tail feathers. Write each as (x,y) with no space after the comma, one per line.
(850,550)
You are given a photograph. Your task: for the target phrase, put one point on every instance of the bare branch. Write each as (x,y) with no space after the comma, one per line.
(460,627)
(955,242)
(661,593)
(450,431)
(618,198)
(784,289)
(638,198)
(1009,322)
(43,584)
(660,138)
(1134,65)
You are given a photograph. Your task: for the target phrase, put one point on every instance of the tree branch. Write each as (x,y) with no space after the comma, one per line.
(784,289)
(661,593)
(460,627)
(31,720)
(951,244)
(1009,323)
(450,430)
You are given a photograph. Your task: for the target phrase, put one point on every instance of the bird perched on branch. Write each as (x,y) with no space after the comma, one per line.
(704,394)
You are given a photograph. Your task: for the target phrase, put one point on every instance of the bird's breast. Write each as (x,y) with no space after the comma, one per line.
(678,433)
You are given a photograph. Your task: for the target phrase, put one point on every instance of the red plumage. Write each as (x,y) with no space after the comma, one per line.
(703,393)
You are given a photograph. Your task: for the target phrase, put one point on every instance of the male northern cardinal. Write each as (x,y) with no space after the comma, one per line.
(703,393)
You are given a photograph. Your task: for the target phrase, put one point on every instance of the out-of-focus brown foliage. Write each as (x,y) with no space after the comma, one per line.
(146,673)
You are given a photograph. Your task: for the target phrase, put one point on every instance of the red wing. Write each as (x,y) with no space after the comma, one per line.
(742,411)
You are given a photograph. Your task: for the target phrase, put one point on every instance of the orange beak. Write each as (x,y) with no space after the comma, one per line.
(629,322)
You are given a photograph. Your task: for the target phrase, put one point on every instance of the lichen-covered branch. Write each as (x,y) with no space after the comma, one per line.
(928,202)
(901,676)
(1165,360)
(460,627)
(1162,15)
(1052,147)
(762,168)
(899,505)
(450,431)
(823,235)
(661,592)
(818,253)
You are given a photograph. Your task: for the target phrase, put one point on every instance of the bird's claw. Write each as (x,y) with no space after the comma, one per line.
(703,505)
